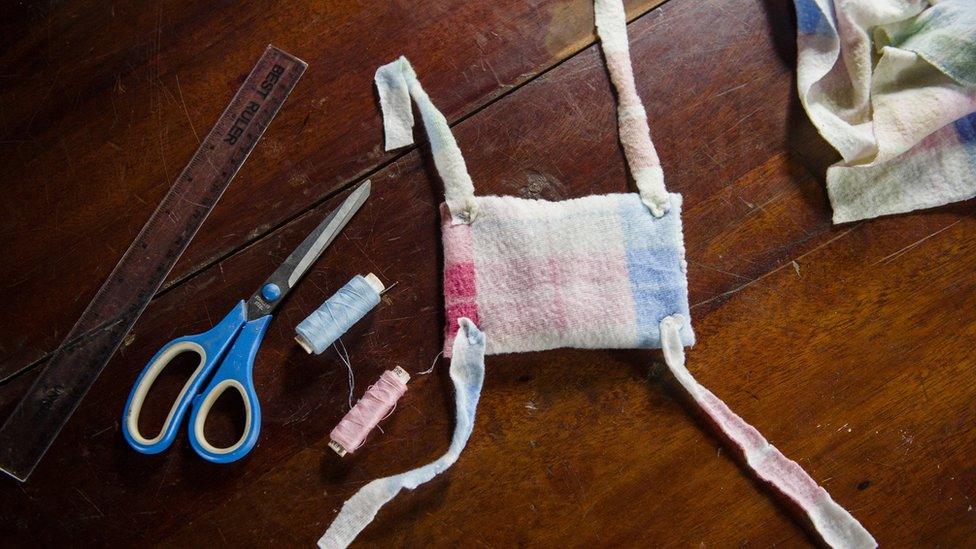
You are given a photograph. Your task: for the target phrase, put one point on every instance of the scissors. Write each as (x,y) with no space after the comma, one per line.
(227,352)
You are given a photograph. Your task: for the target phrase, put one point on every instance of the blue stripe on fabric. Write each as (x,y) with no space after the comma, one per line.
(655,267)
(966,128)
(809,18)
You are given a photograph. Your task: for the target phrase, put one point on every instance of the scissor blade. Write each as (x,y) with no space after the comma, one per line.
(298,262)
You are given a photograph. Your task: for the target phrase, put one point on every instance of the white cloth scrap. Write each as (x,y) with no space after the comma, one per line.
(635,134)
(891,84)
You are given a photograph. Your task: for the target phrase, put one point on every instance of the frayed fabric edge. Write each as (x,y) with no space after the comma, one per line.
(837,527)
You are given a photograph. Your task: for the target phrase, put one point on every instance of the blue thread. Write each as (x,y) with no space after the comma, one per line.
(327,323)
(270,292)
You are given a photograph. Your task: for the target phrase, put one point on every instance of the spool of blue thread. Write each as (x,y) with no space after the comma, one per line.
(339,313)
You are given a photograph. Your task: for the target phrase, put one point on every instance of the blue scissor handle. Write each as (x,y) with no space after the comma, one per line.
(235,372)
(210,345)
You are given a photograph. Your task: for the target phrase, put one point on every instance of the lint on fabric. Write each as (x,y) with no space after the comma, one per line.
(892,86)
(602,271)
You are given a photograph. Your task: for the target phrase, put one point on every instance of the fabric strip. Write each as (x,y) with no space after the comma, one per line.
(635,135)
(396,82)
(834,524)
(468,375)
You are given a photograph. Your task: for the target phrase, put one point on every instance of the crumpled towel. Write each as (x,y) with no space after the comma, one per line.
(891,84)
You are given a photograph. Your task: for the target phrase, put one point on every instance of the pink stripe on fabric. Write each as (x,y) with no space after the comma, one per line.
(526,297)
(561,293)
(836,526)
(772,466)
(459,281)
(622,75)
(460,289)
(603,279)
(635,135)
(592,269)
(458,247)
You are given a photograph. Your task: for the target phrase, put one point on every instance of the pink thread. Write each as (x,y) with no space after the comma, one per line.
(375,406)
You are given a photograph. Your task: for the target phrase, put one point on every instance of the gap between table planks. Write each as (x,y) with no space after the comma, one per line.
(118,96)
(587,447)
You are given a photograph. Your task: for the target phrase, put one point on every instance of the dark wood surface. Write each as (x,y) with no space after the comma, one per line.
(849,347)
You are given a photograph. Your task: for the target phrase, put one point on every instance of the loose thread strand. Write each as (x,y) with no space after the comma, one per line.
(432,365)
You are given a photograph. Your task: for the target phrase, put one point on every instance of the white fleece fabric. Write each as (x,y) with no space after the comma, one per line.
(891,84)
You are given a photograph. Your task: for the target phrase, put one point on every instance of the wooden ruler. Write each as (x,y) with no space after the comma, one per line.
(75,365)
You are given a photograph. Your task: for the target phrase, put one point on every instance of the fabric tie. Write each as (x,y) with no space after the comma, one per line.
(396,83)
(468,375)
(834,524)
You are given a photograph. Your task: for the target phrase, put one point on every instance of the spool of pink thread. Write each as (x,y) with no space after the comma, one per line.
(375,406)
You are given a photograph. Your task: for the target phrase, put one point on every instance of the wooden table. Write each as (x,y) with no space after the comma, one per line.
(850,347)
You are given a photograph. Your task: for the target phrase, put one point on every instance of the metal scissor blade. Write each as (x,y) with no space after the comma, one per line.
(274,290)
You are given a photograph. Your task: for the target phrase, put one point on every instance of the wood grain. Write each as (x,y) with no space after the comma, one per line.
(848,347)
(104,104)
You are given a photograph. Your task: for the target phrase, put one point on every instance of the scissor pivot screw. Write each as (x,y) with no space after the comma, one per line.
(270,292)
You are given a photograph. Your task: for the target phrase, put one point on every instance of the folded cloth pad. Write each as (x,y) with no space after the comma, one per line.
(891,84)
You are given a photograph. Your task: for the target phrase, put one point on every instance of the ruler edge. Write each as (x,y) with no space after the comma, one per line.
(22,477)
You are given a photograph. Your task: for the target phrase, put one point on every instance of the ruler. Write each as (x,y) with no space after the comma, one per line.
(75,365)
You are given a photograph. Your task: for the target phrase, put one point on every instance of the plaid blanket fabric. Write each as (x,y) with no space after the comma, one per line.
(593,272)
(604,271)
(891,84)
